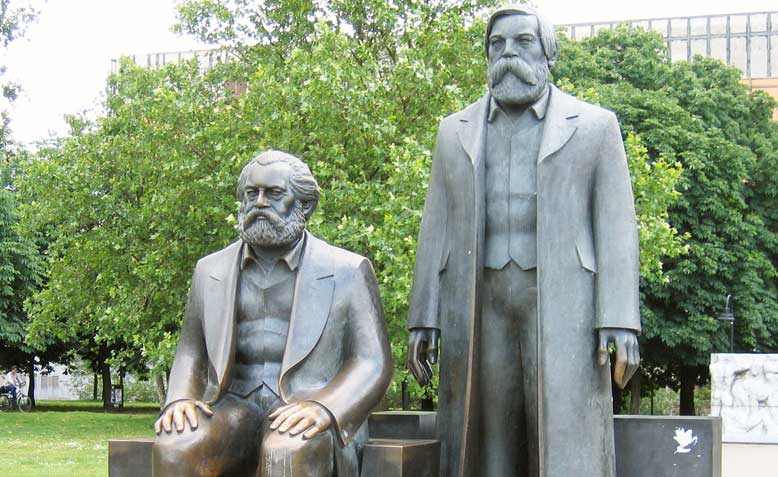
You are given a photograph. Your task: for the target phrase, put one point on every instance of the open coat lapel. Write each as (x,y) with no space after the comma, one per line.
(313,294)
(471,130)
(560,123)
(219,312)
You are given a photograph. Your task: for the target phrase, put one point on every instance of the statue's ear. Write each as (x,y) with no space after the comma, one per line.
(308,207)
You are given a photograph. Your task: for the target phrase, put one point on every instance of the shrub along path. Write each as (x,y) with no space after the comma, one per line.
(67,438)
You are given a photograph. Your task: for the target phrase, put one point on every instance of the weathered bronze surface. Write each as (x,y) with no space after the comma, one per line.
(527,269)
(283,352)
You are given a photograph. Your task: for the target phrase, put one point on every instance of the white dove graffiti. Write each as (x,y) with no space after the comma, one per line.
(685,439)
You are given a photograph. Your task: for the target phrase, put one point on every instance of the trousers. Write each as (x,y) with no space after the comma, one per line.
(508,373)
(237,442)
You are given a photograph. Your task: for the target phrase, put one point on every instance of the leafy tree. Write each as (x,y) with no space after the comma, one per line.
(20,273)
(357,90)
(697,115)
(20,266)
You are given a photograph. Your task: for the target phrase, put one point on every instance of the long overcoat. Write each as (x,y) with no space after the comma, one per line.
(587,273)
(337,350)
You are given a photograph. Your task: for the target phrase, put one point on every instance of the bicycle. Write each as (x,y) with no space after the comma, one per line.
(22,403)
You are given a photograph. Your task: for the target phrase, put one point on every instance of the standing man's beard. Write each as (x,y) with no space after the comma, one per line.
(514,82)
(274,231)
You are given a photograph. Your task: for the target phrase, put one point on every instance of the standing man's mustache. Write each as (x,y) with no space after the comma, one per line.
(514,65)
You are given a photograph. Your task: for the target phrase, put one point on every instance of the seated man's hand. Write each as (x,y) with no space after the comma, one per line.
(308,417)
(179,413)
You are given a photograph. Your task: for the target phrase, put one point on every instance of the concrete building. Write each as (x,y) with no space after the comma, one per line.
(56,386)
(748,41)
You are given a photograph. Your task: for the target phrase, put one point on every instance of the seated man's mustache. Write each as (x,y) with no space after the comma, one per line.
(254,213)
(518,67)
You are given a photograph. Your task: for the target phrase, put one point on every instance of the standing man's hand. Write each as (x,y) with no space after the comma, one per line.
(627,353)
(422,353)
(181,413)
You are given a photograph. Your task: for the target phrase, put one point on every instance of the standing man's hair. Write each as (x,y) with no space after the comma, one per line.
(546,28)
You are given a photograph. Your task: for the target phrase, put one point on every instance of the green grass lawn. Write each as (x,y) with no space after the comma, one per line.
(67,438)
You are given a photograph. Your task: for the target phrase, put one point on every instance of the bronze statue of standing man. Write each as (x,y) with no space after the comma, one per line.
(527,269)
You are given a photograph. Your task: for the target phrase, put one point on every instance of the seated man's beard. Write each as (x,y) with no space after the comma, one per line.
(514,82)
(274,231)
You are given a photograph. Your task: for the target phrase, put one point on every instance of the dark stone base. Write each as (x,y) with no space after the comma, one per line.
(129,457)
(401,458)
(646,446)
(402,425)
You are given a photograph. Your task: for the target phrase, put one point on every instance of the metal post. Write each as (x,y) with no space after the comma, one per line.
(406,396)
(652,400)
(121,385)
(728,315)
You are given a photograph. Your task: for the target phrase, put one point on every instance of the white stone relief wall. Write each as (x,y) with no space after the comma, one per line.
(744,393)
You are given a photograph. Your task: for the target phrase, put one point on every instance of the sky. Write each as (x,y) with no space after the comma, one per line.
(64,59)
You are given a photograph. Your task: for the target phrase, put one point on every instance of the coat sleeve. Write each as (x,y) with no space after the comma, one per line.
(432,249)
(367,362)
(615,235)
(189,374)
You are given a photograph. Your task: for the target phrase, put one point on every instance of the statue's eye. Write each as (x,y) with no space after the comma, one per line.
(496,42)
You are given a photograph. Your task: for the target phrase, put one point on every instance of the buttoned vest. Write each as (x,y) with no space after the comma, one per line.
(512,148)
(264,310)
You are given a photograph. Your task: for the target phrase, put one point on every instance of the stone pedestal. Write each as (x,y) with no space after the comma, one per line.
(748,460)
(402,425)
(667,446)
(744,393)
(401,458)
(646,446)
(129,457)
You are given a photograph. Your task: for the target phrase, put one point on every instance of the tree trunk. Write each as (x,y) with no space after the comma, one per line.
(94,388)
(106,374)
(634,394)
(161,393)
(688,381)
(31,384)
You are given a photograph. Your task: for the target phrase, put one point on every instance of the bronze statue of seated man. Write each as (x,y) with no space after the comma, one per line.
(283,351)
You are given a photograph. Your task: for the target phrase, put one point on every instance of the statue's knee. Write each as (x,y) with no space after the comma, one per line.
(178,448)
(308,457)
(274,440)
(223,444)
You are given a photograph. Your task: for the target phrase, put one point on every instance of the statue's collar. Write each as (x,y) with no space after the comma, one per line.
(539,107)
(292,257)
